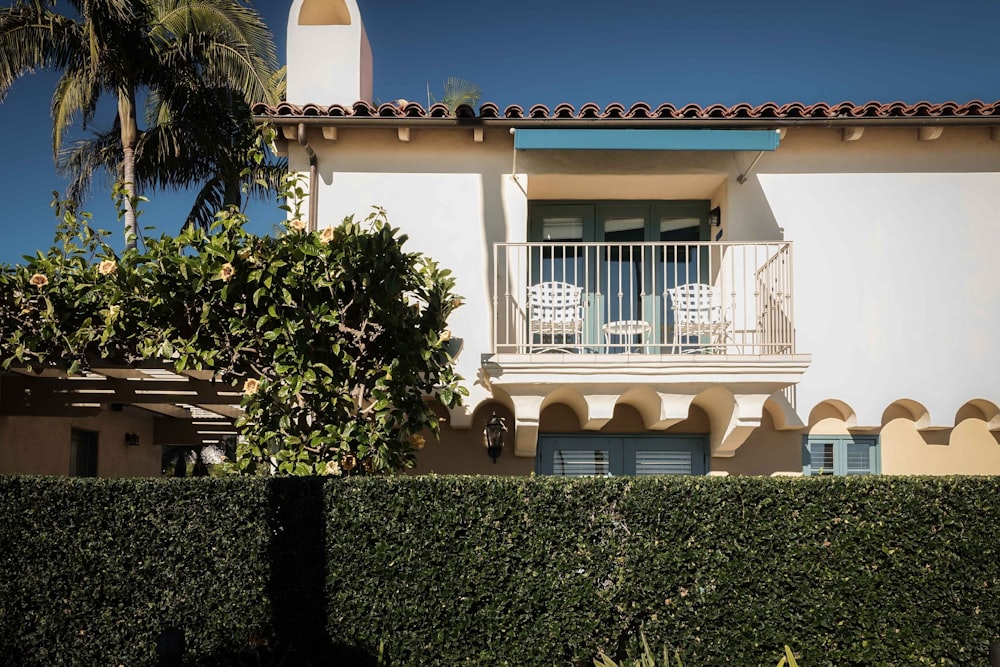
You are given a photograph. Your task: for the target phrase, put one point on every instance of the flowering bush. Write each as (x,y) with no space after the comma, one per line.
(337,338)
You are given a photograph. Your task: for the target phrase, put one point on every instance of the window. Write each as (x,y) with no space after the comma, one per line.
(576,455)
(840,455)
(83,453)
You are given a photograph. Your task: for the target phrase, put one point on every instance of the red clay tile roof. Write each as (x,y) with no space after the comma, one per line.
(769,111)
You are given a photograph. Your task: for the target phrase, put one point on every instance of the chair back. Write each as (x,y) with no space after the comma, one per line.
(555,302)
(695,303)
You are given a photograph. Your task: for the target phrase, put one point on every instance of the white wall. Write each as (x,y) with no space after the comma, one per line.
(895,240)
(896,284)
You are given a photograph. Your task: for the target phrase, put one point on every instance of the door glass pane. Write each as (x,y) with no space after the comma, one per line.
(858,458)
(562,229)
(579,463)
(663,463)
(622,279)
(681,260)
(563,262)
(821,458)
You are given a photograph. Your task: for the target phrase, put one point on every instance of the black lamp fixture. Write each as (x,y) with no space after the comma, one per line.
(132,439)
(493,436)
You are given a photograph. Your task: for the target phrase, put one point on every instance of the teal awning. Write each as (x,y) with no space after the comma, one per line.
(646,140)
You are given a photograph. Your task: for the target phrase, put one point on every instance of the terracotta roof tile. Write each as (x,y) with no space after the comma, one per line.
(489,110)
(565,110)
(614,110)
(539,111)
(641,111)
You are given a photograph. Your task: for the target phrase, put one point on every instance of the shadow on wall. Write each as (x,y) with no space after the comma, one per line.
(494,231)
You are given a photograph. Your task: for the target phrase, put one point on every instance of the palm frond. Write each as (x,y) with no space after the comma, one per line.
(230,42)
(100,154)
(458,91)
(33,38)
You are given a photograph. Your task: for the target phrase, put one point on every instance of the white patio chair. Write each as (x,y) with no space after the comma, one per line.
(700,323)
(556,314)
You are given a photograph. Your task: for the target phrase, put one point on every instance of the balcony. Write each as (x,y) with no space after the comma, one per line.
(656,325)
(643,298)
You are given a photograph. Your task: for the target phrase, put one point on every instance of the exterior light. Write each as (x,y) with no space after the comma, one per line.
(132,439)
(493,436)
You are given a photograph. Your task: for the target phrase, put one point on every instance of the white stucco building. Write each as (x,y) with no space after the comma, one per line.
(780,289)
(844,256)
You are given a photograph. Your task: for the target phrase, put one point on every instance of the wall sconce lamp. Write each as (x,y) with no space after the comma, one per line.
(132,439)
(715,219)
(493,436)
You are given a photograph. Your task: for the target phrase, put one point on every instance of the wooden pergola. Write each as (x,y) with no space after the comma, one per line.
(188,408)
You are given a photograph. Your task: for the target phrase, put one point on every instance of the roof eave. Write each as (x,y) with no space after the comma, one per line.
(625,123)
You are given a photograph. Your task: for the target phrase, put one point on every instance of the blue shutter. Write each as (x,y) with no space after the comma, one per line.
(840,455)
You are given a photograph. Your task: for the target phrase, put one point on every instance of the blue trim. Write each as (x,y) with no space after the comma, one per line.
(646,140)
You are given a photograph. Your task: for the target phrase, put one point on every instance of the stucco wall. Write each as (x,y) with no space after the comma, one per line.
(896,293)
(41,446)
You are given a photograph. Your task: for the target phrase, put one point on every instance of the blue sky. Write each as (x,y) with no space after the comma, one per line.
(527,52)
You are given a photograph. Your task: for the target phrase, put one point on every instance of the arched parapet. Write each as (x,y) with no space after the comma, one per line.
(832,408)
(980,408)
(907,408)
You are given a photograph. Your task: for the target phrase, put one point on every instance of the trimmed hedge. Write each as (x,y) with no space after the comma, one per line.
(477,571)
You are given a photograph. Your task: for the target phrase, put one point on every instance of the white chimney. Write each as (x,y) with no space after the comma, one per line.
(328,54)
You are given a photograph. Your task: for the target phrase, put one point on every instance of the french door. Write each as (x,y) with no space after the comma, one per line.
(622,280)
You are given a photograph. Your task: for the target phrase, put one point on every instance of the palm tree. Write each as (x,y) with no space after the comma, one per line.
(164,48)
(179,149)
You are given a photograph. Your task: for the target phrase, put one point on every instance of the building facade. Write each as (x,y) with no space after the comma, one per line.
(796,289)
(771,290)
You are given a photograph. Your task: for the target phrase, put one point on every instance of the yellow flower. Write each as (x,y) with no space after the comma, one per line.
(250,387)
(227,272)
(417,441)
(39,280)
(332,468)
(349,462)
(298,225)
(326,235)
(445,335)
(107,267)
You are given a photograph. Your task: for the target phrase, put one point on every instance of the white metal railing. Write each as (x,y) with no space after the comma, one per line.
(648,298)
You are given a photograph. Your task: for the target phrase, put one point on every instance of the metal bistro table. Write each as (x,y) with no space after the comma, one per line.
(626,331)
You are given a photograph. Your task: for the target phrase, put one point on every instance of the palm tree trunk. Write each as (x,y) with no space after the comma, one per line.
(130,136)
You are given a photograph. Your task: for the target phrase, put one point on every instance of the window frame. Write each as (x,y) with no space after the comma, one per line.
(840,449)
